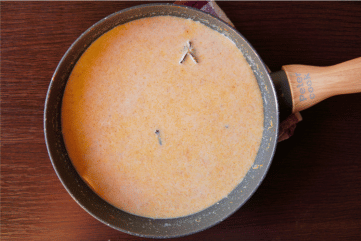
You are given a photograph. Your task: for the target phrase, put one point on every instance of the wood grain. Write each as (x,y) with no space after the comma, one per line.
(313,188)
(312,84)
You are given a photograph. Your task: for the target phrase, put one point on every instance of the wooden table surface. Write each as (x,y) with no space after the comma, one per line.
(313,188)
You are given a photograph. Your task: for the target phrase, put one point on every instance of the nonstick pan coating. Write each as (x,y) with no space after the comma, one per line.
(132,224)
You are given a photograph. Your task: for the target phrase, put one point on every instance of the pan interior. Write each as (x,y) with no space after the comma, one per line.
(133,224)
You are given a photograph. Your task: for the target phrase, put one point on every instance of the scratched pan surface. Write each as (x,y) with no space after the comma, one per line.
(132,224)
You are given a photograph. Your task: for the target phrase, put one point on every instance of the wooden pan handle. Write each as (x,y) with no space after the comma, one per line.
(310,85)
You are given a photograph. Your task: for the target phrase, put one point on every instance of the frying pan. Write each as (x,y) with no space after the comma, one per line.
(292,89)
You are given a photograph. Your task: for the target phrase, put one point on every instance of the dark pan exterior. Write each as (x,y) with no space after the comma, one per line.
(132,224)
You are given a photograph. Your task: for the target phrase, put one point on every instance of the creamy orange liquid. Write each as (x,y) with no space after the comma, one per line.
(155,137)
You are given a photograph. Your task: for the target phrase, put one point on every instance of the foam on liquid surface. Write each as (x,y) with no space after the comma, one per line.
(154,137)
